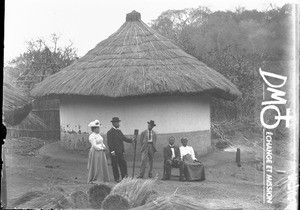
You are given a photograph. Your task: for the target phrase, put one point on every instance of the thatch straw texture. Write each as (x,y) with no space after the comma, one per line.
(136,191)
(48,201)
(173,202)
(16,103)
(136,61)
(27,197)
(79,200)
(115,202)
(97,194)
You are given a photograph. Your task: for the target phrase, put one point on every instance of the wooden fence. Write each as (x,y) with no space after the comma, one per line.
(48,111)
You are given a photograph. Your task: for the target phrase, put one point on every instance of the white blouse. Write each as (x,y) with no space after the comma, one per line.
(187,150)
(96,141)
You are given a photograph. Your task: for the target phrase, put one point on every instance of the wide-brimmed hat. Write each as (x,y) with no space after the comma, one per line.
(95,123)
(151,122)
(115,119)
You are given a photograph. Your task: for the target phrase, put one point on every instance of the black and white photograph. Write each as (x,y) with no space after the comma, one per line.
(150,104)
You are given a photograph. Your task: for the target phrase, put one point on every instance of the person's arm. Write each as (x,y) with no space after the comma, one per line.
(166,155)
(128,140)
(92,140)
(110,142)
(181,153)
(177,153)
(142,138)
(193,153)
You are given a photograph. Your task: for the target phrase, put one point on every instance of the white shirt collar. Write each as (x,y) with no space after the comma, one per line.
(115,128)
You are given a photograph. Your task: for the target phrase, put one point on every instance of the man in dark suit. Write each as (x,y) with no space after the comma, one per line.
(148,142)
(115,139)
(172,159)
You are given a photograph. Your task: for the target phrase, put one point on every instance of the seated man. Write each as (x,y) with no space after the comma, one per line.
(193,169)
(172,159)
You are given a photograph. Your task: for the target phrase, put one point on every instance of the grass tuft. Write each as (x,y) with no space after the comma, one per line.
(136,191)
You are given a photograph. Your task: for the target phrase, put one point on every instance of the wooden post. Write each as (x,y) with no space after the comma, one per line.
(238,157)
(136,133)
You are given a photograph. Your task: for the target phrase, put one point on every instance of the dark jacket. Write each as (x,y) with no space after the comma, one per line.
(144,140)
(168,153)
(115,140)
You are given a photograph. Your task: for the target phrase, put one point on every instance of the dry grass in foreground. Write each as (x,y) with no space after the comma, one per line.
(130,193)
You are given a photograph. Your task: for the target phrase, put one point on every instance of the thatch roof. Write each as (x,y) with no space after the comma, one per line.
(136,61)
(16,103)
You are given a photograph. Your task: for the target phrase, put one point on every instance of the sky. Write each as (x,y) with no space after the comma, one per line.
(87,22)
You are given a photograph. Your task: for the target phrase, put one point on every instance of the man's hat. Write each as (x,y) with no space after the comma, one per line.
(95,123)
(152,123)
(115,119)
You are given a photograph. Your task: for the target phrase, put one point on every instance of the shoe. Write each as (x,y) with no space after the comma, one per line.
(150,176)
(165,178)
(117,180)
(182,179)
(139,177)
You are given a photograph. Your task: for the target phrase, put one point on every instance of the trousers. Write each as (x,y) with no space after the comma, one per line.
(147,154)
(175,164)
(118,161)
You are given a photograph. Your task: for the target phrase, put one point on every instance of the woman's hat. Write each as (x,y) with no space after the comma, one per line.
(115,119)
(152,123)
(95,123)
(184,139)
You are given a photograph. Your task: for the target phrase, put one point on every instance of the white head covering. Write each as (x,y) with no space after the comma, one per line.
(95,123)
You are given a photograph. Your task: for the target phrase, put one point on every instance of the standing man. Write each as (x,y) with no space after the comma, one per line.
(148,141)
(115,139)
(172,159)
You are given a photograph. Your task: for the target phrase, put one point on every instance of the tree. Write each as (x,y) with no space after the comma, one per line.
(173,23)
(40,60)
(236,44)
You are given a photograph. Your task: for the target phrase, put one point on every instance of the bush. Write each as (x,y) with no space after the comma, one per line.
(115,201)
(97,193)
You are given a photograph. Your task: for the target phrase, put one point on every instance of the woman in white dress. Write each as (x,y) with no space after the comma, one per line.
(97,163)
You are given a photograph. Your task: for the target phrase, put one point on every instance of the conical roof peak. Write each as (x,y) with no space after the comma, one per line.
(136,61)
(133,16)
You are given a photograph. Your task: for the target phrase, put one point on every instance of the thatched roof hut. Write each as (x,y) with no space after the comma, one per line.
(137,75)
(136,61)
(16,103)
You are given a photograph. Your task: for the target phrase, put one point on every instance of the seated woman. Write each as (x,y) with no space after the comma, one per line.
(193,169)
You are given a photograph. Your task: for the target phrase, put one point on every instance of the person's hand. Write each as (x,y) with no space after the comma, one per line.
(169,161)
(134,139)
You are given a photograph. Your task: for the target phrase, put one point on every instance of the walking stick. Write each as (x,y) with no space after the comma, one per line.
(136,133)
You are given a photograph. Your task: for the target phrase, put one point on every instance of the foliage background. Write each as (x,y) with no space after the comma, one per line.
(236,44)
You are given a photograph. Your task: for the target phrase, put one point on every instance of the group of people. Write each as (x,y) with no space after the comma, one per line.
(180,157)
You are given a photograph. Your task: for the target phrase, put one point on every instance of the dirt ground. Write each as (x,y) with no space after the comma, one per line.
(46,165)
